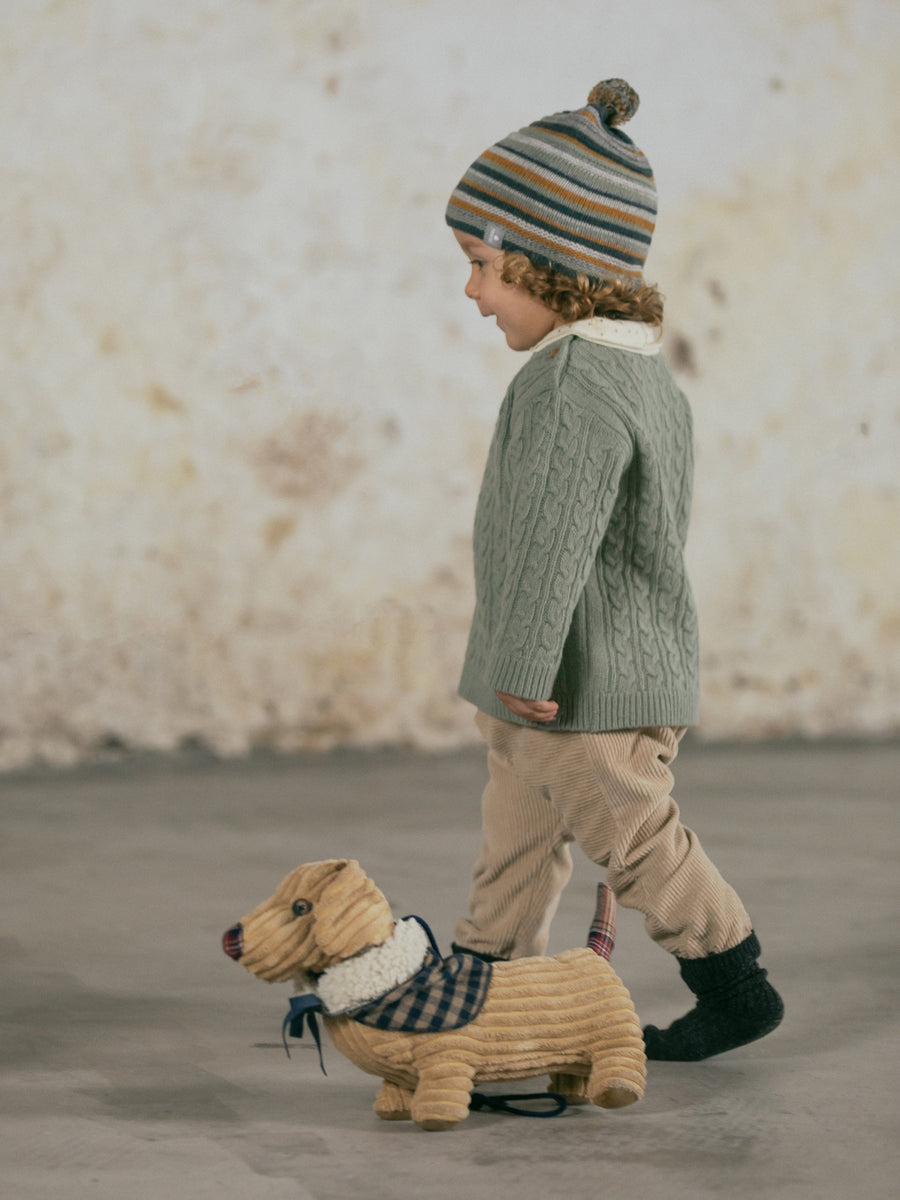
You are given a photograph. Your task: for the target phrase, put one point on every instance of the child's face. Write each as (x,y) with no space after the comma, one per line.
(520,316)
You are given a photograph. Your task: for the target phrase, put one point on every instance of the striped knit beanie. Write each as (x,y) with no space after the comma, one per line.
(571,191)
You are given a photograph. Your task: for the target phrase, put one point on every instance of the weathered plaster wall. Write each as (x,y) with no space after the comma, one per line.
(244,405)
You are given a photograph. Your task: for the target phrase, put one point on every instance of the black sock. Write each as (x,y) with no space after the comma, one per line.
(735,1005)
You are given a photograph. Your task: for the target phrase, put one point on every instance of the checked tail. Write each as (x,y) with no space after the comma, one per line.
(602,934)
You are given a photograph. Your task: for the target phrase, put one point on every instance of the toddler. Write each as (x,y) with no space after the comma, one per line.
(582,657)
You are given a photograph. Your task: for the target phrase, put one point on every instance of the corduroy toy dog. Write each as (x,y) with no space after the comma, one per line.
(433,1027)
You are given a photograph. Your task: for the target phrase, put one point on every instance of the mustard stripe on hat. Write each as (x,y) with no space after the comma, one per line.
(570,190)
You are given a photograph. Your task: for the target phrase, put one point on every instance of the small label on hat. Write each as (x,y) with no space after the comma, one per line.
(493,236)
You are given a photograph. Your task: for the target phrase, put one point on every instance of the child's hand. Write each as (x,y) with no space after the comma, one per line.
(541,711)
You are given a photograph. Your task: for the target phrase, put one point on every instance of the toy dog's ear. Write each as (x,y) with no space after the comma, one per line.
(351,914)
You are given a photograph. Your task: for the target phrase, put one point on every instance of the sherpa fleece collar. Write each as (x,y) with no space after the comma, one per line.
(635,336)
(349,985)
(403,984)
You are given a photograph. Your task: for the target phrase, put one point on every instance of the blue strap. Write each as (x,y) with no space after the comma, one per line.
(502,1104)
(303,1008)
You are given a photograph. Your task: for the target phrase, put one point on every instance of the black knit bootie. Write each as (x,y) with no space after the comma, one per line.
(735,1005)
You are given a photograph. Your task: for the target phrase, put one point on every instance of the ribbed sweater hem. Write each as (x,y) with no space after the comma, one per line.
(600,713)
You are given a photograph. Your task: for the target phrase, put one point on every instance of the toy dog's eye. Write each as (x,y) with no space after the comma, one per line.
(300,908)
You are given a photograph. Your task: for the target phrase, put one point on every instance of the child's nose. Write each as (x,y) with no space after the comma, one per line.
(471,289)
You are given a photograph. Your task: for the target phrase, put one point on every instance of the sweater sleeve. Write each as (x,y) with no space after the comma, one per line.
(565,459)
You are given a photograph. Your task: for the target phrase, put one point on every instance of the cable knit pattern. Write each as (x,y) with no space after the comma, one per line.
(581,589)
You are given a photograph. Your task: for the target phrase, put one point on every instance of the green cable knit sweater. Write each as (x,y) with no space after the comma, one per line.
(581,590)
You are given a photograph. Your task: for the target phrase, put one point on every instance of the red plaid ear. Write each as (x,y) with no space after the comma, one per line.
(602,934)
(351,914)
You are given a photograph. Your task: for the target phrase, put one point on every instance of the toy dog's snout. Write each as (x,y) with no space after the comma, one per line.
(233,942)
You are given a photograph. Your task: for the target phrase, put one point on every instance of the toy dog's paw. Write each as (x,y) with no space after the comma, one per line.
(442,1094)
(573,1088)
(617,1096)
(617,1080)
(437,1112)
(393,1103)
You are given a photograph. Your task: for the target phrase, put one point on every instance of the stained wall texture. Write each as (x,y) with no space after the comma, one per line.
(244,405)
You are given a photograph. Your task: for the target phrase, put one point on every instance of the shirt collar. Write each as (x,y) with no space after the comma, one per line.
(635,336)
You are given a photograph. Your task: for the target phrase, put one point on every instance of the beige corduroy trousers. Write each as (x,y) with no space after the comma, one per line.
(610,793)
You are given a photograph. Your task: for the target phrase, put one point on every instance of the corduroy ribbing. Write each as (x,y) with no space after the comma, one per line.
(610,792)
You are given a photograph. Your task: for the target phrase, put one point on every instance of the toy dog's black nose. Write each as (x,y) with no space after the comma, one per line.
(233,942)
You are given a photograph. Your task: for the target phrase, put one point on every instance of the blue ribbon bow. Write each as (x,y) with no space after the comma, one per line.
(303,1009)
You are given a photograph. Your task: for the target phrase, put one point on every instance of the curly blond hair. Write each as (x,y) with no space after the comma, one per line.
(575,299)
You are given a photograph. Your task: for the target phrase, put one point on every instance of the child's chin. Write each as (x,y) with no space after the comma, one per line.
(519,343)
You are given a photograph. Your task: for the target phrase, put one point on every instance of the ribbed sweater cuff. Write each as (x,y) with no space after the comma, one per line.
(523,679)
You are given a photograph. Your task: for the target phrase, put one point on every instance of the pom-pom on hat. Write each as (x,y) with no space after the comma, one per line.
(570,191)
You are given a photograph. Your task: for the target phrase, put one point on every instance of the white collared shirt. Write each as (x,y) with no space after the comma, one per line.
(636,336)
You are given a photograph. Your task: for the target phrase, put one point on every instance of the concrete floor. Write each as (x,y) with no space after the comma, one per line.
(139,1062)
